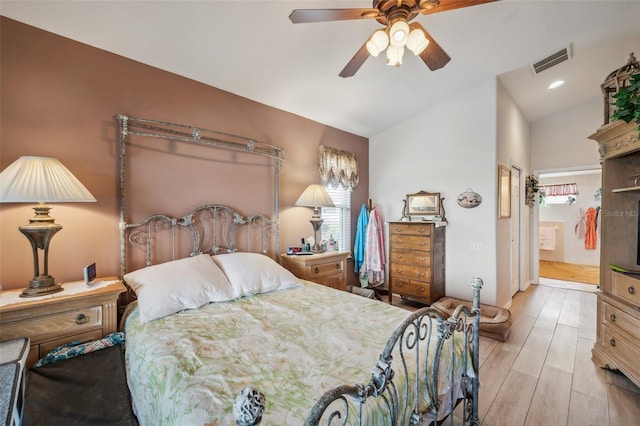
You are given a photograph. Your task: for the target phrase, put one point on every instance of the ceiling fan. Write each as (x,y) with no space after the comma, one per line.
(395,15)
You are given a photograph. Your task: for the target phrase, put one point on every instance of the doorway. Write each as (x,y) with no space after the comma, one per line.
(568,248)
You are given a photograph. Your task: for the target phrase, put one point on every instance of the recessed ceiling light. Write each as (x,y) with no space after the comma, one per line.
(556,84)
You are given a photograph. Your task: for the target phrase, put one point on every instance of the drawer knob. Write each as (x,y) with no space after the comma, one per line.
(612,317)
(631,290)
(337,266)
(317,270)
(612,341)
(82,319)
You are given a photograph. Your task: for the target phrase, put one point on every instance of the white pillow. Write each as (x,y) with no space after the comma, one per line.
(171,287)
(254,273)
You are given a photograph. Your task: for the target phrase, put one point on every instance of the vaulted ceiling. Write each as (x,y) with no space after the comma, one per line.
(252,49)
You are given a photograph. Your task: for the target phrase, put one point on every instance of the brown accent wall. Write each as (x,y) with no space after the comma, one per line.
(59,98)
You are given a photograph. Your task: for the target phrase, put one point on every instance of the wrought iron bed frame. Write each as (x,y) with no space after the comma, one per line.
(212,228)
(203,137)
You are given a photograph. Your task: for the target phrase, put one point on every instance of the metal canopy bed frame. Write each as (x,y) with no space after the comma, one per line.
(408,371)
(130,126)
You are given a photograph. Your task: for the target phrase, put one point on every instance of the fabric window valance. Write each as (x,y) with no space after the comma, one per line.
(338,167)
(559,189)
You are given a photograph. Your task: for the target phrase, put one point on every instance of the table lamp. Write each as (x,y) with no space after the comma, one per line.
(41,180)
(315,196)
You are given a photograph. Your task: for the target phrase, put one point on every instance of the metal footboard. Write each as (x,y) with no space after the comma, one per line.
(409,385)
(407,382)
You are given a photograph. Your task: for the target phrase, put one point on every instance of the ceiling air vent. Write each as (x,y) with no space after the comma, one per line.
(554,59)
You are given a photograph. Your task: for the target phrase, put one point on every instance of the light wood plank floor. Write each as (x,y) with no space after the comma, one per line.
(543,374)
(570,272)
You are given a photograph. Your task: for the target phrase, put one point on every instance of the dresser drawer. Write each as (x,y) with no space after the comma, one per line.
(409,288)
(411,258)
(626,287)
(619,346)
(419,273)
(617,319)
(410,242)
(60,324)
(414,229)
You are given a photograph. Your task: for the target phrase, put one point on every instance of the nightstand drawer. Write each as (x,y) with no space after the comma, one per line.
(328,268)
(324,269)
(62,323)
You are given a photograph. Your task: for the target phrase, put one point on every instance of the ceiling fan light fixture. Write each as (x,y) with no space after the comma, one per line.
(377,43)
(398,33)
(394,56)
(417,42)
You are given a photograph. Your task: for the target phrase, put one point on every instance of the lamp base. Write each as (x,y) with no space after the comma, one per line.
(41,285)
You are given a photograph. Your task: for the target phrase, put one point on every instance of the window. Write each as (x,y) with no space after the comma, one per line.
(562,193)
(337,220)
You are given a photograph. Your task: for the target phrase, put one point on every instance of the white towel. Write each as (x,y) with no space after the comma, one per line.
(547,238)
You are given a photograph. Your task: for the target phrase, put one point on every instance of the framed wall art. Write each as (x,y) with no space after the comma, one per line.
(504,192)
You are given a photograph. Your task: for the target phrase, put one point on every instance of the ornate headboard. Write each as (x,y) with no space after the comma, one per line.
(209,228)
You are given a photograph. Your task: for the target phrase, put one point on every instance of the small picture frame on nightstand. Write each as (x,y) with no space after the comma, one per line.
(89,273)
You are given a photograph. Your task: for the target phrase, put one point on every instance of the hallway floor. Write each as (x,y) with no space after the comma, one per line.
(543,374)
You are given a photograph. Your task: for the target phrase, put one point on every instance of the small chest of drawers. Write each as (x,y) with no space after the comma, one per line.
(619,325)
(329,268)
(79,312)
(416,260)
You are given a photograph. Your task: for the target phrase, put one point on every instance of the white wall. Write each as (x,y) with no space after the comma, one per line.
(446,149)
(513,149)
(560,141)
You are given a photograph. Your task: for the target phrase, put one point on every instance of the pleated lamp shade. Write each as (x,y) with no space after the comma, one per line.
(41,179)
(315,196)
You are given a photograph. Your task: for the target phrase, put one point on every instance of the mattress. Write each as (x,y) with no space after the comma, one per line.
(292,345)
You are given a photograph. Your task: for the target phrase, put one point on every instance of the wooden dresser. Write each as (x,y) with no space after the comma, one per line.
(329,268)
(416,260)
(617,343)
(79,312)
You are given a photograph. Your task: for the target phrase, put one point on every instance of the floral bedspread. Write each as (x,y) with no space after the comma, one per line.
(292,345)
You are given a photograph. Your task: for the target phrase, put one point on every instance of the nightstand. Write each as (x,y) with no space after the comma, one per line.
(79,312)
(329,268)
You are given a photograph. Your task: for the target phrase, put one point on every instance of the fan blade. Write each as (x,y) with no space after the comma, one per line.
(451,5)
(304,16)
(434,55)
(356,62)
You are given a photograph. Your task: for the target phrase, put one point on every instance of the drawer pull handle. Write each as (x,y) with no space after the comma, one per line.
(631,290)
(82,319)
(612,341)
(337,266)
(317,271)
(613,317)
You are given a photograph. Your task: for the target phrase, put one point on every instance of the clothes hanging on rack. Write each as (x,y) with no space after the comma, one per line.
(372,268)
(359,245)
(590,237)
